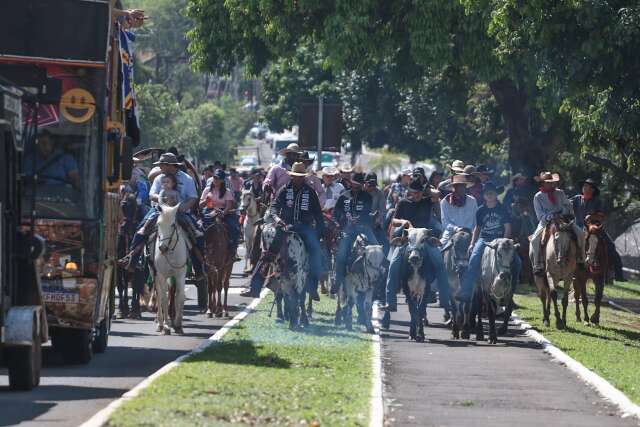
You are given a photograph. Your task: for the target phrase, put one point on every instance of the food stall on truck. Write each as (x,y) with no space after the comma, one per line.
(74,164)
(23,324)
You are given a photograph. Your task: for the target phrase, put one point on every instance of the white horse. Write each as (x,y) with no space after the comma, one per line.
(249,205)
(170,261)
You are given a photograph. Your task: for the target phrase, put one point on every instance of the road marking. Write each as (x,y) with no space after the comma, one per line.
(602,386)
(376,414)
(101,417)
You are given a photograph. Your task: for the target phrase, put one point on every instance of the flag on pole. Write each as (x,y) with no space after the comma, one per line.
(126,59)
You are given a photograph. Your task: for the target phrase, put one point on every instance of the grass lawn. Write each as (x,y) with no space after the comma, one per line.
(263,374)
(612,350)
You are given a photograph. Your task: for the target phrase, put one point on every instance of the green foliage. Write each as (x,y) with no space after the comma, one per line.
(157,108)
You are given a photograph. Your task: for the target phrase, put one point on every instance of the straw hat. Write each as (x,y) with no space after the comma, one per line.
(457,166)
(291,148)
(460,179)
(298,169)
(330,171)
(346,168)
(547,177)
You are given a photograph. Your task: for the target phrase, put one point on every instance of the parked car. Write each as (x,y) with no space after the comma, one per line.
(258,131)
(249,161)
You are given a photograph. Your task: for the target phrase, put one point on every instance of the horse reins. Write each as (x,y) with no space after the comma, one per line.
(171,249)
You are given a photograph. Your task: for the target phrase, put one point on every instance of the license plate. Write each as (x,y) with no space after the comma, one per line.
(61,297)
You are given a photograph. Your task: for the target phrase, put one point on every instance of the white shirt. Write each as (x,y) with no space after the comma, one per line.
(332,194)
(457,216)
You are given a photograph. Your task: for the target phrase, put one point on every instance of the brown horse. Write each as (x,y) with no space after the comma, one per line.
(560,255)
(597,269)
(219,261)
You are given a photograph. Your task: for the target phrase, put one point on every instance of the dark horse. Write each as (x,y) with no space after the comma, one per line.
(522,227)
(597,269)
(126,230)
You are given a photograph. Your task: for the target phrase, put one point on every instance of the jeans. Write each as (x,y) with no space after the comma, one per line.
(344,249)
(438,272)
(314,252)
(381,237)
(231,221)
(475,264)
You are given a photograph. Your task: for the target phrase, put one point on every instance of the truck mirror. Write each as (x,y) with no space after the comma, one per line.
(126,158)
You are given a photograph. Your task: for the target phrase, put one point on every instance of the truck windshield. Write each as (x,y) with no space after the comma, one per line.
(61,166)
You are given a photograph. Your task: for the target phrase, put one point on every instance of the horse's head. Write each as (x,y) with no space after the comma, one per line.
(248,202)
(418,239)
(504,250)
(167,226)
(460,242)
(564,241)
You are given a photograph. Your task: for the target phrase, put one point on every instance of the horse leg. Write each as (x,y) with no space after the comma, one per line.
(554,298)
(218,306)
(163,304)
(367,304)
(412,315)
(492,307)
(338,318)
(279,313)
(599,285)
(211,298)
(421,310)
(565,300)
(585,301)
(577,294)
(361,315)
(304,319)
(291,306)
(507,316)
(225,307)
(347,313)
(179,302)
(309,307)
(478,312)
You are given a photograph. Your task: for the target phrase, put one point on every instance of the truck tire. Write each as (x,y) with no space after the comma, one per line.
(24,363)
(102,338)
(74,344)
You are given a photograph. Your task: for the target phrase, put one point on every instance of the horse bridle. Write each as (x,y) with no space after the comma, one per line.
(171,249)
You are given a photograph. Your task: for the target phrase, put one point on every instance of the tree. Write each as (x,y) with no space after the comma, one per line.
(157,109)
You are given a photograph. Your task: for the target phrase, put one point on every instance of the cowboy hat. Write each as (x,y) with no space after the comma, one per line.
(456,166)
(460,179)
(518,176)
(304,157)
(470,170)
(358,178)
(593,183)
(291,148)
(407,172)
(298,169)
(484,170)
(168,159)
(346,168)
(371,178)
(330,171)
(547,177)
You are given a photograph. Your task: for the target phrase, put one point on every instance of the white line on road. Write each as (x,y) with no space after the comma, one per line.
(101,418)
(376,415)
(602,386)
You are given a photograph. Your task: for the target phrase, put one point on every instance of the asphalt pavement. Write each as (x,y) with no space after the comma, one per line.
(446,382)
(69,395)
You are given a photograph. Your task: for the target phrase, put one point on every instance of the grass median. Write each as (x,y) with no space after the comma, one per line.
(261,373)
(612,350)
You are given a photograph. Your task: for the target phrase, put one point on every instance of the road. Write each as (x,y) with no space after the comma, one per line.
(443,382)
(69,395)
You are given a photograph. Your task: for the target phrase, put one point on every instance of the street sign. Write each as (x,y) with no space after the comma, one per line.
(331,129)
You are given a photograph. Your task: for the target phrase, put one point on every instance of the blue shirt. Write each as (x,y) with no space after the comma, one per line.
(186,186)
(56,172)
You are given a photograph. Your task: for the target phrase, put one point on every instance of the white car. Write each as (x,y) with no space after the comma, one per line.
(248,161)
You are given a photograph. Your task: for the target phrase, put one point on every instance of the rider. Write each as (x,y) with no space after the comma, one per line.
(548,203)
(278,175)
(332,189)
(456,167)
(415,211)
(587,203)
(216,200)
(379,208)
(457,209)
(493,221)
(353,215)
(186,189)
(312,180)
(296,207)
(398,189)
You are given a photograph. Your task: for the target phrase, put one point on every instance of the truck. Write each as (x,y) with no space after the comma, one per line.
(23,323)
(69,55)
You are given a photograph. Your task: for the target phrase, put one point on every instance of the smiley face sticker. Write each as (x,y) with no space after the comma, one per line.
(77,105)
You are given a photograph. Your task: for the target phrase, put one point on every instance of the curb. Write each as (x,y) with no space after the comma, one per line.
(601,386)
(376,412)
(101,417)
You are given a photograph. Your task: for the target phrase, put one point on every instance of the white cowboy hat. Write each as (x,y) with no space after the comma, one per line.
(330,171)
(291,148)
(457,166)
(346,168)
(298,169)
(547,177)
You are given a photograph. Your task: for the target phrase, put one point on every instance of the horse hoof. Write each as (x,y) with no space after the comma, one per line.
(426,322)
(278,320)
(559,324)
(218,314)
(586,323)
(179,331)
(159,328)
(419,338)
(371,330)
(386,321)
(493,340)
(545,323)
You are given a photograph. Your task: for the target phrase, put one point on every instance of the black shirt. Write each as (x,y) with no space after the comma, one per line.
(582,208)
(357,206)
(492,220)
(418,213)
(295,206)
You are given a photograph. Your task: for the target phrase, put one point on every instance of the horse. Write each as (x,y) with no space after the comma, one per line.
(495,285)
(597,268)
(522,227)
(219,260)
(560,255)
(250,206)
(290,271)
(456,261)
(126,230)
(359,284)
(171,253)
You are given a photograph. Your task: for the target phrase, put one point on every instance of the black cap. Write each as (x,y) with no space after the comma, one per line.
(419,171)
(416,186)
(593,183)
(219,173)
(491,186)
(358,177)
(484,170)
(371,178)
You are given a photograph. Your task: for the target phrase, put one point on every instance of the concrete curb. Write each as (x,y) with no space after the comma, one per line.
(101,418)
(603,387)
(376,414)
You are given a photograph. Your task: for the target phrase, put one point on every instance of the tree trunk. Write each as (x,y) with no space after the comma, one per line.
(527,154)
